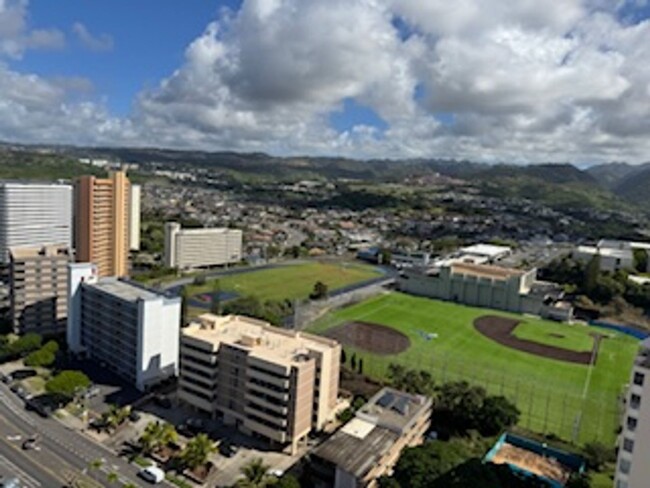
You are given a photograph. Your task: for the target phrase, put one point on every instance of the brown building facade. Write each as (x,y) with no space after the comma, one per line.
(102,222)
(271,382)
(38,278)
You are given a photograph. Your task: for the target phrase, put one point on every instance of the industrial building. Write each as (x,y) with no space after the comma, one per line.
(38,284)
(133,331)
(102,222)
(195,248)
(267,381)
(488,286)
(369,445)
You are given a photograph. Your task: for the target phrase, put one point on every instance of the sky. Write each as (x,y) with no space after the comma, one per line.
(485,80)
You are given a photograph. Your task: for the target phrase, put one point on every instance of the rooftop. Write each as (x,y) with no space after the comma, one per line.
(124,289)
(260,338)
(36,251)
(360,443)
(488,250)
(486,271)
(606,251)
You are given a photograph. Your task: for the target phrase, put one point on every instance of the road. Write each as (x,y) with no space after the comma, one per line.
(62,453)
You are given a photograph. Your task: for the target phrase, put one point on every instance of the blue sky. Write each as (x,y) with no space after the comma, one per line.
(486,80)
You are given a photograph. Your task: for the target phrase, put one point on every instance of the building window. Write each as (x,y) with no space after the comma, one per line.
(638,379)
(624,466)
(631,424)
(635,401)
(628,445)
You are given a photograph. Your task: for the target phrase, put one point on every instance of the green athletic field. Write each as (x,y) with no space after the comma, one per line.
(576,402)
(292,281)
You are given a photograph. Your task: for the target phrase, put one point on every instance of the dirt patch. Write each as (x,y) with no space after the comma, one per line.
(374,338)
(500,329)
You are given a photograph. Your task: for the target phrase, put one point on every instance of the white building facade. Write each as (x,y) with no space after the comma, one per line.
(134,217)
(632,468)
(195,248)
(34,215)
(135,332)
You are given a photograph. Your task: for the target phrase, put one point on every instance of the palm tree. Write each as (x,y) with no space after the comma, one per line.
(256,475)
(116,415)
(112,477)
(156,435)
(197,451)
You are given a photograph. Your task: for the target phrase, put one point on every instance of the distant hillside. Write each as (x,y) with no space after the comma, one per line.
(548,173)
(635,187)
(611,174)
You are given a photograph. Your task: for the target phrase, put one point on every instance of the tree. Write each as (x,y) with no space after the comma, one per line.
(256,475)
(67,383)
(353,361)
(112,477)
(320,291)
(344,416)
(116,416)
(343,356)
(185,296)
(215,305)
(591,274)
(598,455)
(157,435)
(641,260)
(25,344)
(360,366)
(41,357)
(458,406)
(496,413)
(287,481)
(197,451)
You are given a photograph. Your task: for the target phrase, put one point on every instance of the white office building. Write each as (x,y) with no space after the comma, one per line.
(134,217)
(34,215)
(135,332)
(632,468)
(196,248)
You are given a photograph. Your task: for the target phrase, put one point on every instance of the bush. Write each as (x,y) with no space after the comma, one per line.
(598,455)
(67,383)
(42,357)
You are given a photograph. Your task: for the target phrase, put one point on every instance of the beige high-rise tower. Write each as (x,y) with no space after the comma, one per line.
(102,222)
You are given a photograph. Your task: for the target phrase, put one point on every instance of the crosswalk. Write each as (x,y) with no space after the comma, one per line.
(10,470)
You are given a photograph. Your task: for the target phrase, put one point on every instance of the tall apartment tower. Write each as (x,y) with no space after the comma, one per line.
(632,468)
(38,283)
(134,218)
(34,215)
(102,233)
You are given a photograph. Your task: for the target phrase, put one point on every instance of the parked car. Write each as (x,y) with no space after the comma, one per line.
(162,401)
(30,443)
(134,416)
(152,474)
(91,392)
(22,374)
(227,449)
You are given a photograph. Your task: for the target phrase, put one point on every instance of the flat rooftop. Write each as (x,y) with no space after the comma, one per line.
(358,445)
(124,290)
(486,271)
(261,338)
(606,251)
(44,251)
(208,230)
(489,250)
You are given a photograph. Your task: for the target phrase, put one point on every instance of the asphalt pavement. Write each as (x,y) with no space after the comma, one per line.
(61,452)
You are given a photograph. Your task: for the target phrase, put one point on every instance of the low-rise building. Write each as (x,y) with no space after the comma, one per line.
(267,381)
(613,254)
(38,284)
(488,286)
(369,445)
(194,248)
(132,330)
(632,468)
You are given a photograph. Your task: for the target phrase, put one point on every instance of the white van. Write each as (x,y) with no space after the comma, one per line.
(152,474)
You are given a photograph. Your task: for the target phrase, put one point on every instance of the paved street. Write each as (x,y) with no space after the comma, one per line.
(61,452)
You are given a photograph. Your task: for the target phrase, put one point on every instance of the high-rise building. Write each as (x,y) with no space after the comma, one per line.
(38,283)
(194,248)
(632,469)
(275,383)
(34,215)
(134,223)
(102,232)
(133,331)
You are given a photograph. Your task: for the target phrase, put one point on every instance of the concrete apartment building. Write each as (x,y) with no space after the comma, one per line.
(267,381)
(195,248)
(34,215)
(102,216)
(488,286)
(614,254)
(134,217)
(133,331)
(38,283)
(369,445)
(632,468)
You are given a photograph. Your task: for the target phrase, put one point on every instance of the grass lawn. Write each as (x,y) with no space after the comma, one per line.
(292,281)
(573,401)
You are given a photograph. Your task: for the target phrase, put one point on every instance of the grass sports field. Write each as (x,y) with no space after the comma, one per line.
(574,401)
(293,281)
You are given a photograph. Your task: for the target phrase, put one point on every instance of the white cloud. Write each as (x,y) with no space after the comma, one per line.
(478,79)
(101,42)
(15,35)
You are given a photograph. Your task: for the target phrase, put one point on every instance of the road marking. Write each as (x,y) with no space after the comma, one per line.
(15,409)
(26,479)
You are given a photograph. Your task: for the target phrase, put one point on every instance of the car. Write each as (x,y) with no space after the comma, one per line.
(152,474)
(10,483)
(227,449)
(22,374)
(92,392)
(134,416)
(30,443)
(162,401)
(278,473)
